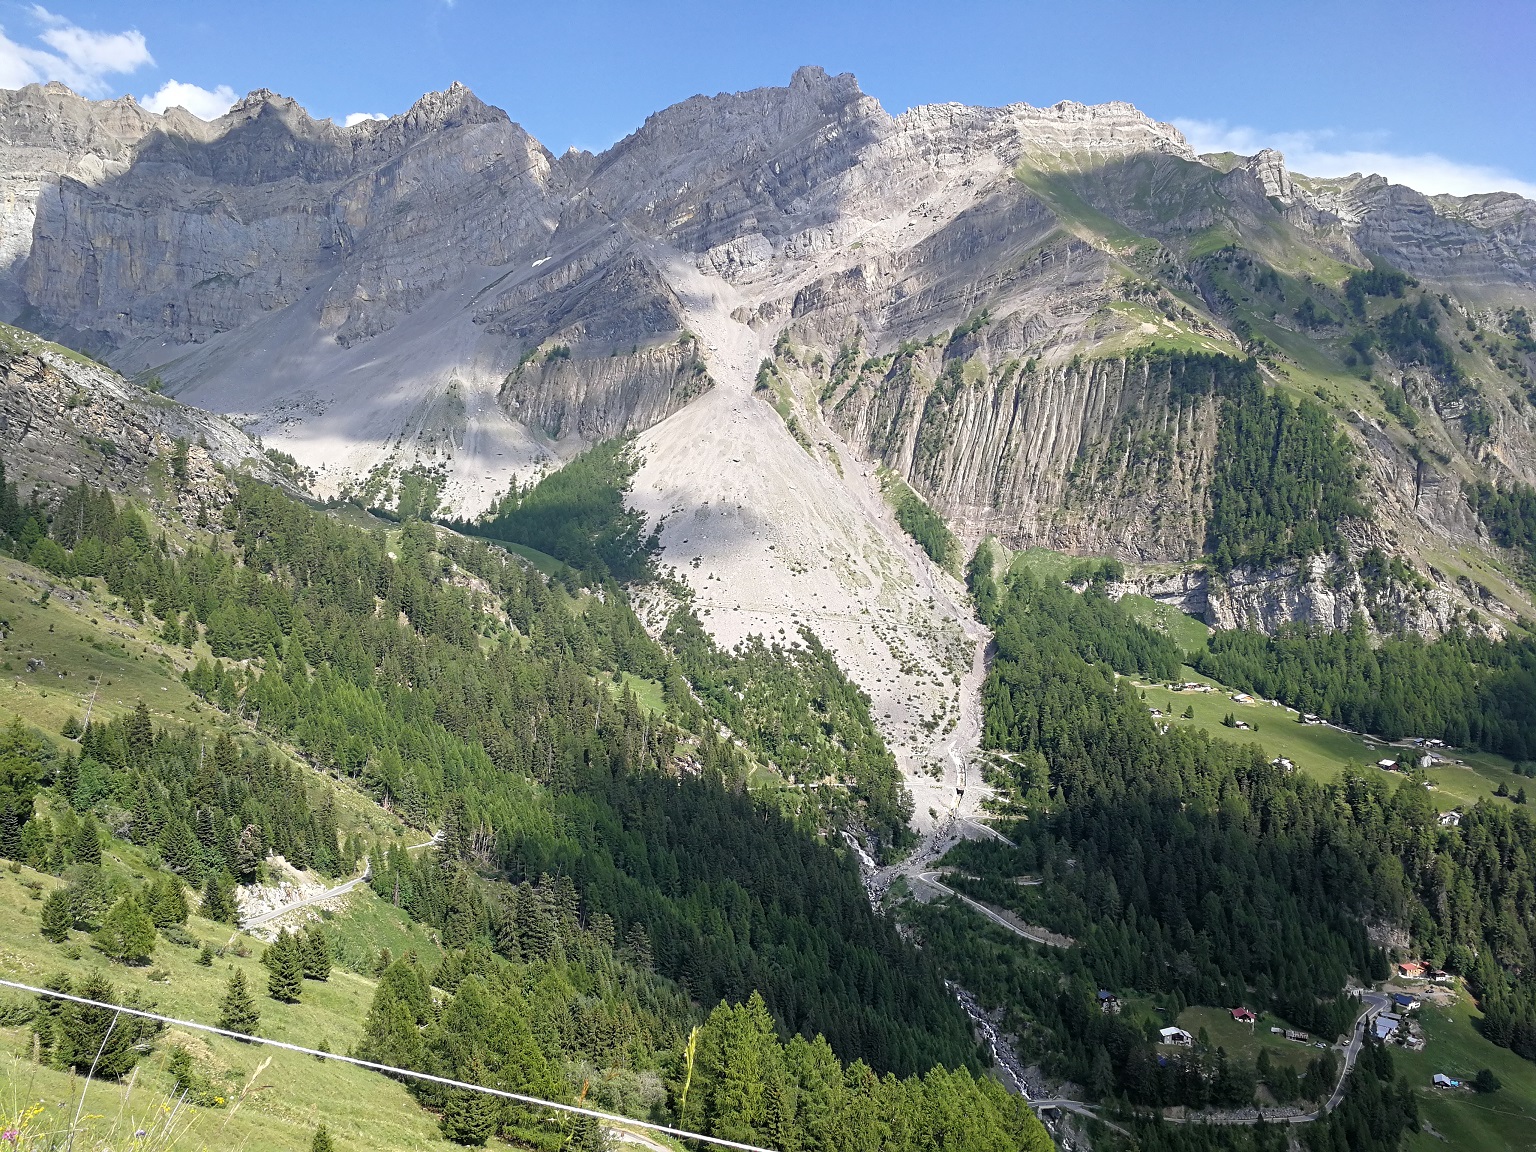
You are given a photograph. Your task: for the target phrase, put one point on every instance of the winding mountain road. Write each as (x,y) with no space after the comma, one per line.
(247,923)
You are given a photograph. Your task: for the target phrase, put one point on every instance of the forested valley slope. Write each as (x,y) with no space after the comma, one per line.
(807,626)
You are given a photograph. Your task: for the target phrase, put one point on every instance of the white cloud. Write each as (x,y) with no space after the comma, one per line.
(1322,154)
(81,58)
(198,101)
(359,117)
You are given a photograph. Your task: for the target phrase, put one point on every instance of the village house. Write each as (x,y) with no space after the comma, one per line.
(1450,819)
(1405,1001)
(1108,1002)
(1244,1016)
(1176,1036)
(1444,1081)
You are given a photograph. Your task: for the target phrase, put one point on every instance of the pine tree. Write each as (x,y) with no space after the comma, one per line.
(86,847)
(58,915)
(285,968)
(315,947)
(167,905)
(239,1013)
(87,1035)
(178,848)
(638,940)
(322,1141)
(470,1117)
(127,934)
(218,904)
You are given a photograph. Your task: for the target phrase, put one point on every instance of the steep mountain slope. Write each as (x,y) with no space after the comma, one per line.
(974,299)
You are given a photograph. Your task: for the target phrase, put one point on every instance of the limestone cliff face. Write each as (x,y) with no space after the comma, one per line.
(213,224)
(1090,459)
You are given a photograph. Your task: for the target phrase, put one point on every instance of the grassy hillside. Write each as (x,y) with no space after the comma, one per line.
(272,1106)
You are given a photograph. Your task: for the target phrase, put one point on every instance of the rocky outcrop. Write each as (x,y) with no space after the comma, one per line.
(1328,594)
(64,420)
(597,399)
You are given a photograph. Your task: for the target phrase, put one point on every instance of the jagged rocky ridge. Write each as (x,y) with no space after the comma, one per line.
(438,291)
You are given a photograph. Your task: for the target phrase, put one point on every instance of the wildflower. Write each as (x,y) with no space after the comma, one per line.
(10,1135)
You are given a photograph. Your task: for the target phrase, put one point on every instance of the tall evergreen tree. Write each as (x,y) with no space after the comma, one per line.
(167,904)
(218,903)
(470,1117)
(127,934)
(58,915)
(87,1035)
(315,950)
(238,1012)
(284,962)
(86,847)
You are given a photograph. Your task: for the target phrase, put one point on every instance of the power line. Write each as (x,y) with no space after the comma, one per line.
(370,1064)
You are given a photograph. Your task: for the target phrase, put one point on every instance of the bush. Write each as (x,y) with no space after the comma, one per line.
(1486,1081)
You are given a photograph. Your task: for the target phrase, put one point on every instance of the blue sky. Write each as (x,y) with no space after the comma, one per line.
(1439,96)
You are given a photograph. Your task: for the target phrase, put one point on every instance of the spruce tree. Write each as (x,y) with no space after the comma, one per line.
(58,915)
(470,1117)
(167,904)
(285,968)
(127,934)
(86,847)
(218,904)
(322,1141)
(239,1013)
(315,947)
(87,1035)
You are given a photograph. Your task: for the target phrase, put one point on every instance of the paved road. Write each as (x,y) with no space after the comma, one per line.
(248,923)
(1017,930)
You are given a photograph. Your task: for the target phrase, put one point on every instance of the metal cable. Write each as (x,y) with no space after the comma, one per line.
(444,1080)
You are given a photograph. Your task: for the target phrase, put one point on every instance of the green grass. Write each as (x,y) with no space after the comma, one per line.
(291,1095)
(648,692)
(1183,629)
(1044,563)
(1150,329)
(1469,1122)
(85,645)
(543,561)
(1323,751)
(1244,1043)
(1075,212)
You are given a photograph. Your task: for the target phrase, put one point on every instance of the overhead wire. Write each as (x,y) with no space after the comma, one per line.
(373,1065)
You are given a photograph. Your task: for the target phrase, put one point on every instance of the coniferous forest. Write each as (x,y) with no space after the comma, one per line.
(1190,870)
(601,866)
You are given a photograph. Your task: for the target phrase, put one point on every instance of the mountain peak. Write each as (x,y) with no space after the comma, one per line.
(453,107)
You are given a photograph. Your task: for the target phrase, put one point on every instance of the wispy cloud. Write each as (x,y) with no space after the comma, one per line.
(79,57)
(1323,153)
(198,101)
(359,117)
